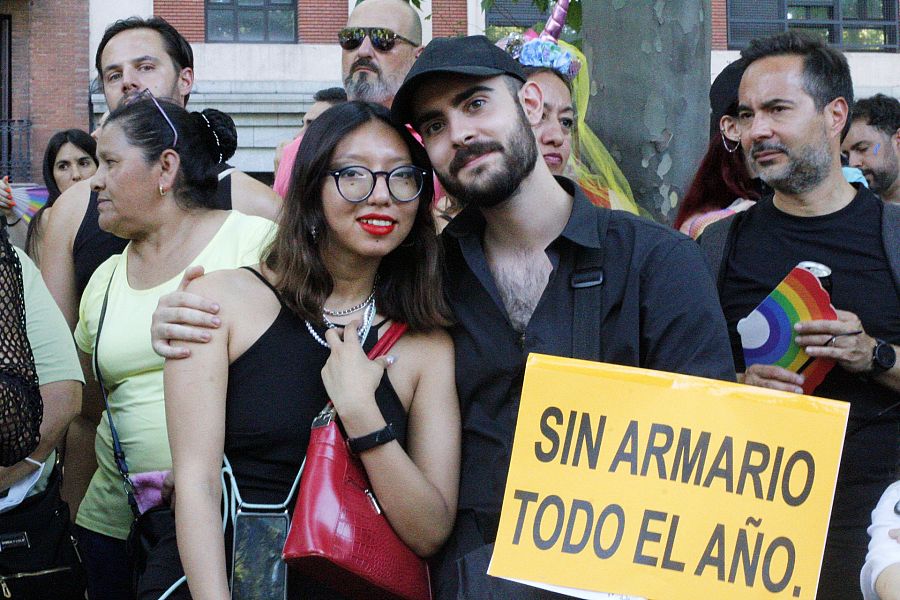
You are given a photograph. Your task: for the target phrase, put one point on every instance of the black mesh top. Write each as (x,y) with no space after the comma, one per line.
(21,408)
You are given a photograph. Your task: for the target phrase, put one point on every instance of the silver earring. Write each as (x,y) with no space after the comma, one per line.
(725,143)
(314,233)
(162,191)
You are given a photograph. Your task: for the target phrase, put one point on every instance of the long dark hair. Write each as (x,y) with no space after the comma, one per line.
(721,179)
(78,138)
(200,143)
(409,278)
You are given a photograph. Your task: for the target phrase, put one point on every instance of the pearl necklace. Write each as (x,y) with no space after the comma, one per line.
(362,332)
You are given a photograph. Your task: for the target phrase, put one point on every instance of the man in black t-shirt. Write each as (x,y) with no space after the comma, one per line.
(793,107)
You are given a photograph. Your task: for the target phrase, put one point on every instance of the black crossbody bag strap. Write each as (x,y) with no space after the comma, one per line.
(587,286)
(118,452)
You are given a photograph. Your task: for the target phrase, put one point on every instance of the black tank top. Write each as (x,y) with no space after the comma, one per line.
(275,390)
(92,245)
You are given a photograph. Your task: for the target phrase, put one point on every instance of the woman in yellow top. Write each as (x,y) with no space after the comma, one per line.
(156,184)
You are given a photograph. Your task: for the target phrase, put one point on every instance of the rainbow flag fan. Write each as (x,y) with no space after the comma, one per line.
(29,199)
(767,333)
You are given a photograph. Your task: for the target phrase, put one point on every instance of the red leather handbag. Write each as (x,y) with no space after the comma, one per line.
(338,534)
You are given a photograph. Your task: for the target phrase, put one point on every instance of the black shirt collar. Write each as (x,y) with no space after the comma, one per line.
(581,228)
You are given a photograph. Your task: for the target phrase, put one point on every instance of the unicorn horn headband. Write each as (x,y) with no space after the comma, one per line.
(544,51)
(556,21)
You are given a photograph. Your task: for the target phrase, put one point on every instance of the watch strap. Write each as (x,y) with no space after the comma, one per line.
(360,444)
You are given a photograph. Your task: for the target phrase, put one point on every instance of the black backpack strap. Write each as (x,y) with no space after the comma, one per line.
(587,286)
(890,229)
(716,242)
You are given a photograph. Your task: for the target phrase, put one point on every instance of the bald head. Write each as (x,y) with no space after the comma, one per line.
(400,12)
(372,74)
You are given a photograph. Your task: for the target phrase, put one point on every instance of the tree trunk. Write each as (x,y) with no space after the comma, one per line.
(649,63)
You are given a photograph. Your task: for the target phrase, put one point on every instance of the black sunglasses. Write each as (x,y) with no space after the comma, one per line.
(383,39)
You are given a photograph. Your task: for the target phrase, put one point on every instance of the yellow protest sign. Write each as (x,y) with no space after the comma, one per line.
(666,486)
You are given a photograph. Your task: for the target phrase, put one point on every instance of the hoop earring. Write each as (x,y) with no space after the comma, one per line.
(725,140)
(162,191)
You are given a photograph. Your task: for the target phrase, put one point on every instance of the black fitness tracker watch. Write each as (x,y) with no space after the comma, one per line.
(376,438)
(884,357)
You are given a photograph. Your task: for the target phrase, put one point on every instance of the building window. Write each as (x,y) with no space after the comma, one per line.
(506,16)
(855,25)
(251,21)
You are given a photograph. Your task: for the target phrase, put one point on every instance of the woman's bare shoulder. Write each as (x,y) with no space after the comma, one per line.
(231,288)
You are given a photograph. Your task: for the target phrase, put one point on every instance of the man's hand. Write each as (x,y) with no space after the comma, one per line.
(843,340)
(772,377)
(182,316)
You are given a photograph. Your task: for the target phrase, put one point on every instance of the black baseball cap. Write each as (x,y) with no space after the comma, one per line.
(723,95)
(473,55)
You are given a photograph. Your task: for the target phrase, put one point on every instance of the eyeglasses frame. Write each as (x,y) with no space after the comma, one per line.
(336,174)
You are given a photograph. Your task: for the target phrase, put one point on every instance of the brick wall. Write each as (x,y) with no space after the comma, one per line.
(449,18)
(50,68)
(187,16)
(21,59)
(319,22)
(719,25)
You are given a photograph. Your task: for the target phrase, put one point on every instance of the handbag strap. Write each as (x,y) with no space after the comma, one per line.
(387,341)
(235,502)
(118,452)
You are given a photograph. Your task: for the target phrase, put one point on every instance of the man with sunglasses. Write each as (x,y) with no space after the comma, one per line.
(378,46)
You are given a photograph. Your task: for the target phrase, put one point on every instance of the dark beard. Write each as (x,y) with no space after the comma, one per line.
(808,166)
(519,158)
(882,179)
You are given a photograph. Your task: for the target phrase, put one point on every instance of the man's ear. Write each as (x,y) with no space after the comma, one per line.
(895,142)
(185,81)
(169,162)
(419,51)
(532,99)
(837,112)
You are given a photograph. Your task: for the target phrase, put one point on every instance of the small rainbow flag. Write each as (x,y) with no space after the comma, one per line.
(767,333)
(29,199)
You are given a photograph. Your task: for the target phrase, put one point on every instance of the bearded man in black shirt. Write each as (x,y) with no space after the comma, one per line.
(793,107)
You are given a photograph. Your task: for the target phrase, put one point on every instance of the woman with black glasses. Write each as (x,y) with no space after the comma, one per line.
(156,184)
(355,252)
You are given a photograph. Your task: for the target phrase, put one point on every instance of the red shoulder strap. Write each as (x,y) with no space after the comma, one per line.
(387,341)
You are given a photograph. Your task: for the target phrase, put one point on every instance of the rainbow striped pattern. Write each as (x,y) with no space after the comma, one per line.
(29,199)
(767,333)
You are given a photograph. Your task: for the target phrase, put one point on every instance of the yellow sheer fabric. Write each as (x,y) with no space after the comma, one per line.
(594,168)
